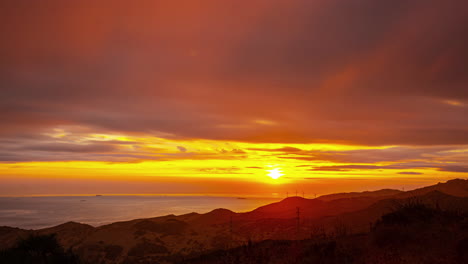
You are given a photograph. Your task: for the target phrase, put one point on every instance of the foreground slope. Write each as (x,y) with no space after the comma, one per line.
(172,238)
(414,233)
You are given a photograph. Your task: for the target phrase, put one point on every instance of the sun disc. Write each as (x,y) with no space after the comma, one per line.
(275,173)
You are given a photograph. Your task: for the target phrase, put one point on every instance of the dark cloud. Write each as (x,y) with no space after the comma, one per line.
(454,168)
(182,149)
(350,167)
(355,72)
(238,151)
(391,154)
(67,147)
(81,147)
(395,166)
(51,156)
(399,166)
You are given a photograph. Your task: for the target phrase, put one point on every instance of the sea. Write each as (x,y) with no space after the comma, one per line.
(47,211)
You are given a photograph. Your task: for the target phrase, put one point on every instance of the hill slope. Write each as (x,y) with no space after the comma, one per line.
(169,238)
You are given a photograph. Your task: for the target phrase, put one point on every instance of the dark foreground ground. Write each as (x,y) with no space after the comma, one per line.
(413,234)
(426,225)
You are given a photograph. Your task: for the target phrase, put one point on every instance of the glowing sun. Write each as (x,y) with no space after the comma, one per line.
(275,173)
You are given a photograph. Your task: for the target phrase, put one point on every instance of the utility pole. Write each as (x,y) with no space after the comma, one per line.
(298,214)
(230,232)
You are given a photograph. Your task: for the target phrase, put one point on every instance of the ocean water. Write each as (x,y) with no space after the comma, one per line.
(41,212)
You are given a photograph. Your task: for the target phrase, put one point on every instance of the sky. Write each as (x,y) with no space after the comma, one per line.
(231,97)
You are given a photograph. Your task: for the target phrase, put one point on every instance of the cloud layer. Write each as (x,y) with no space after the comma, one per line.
(360,72)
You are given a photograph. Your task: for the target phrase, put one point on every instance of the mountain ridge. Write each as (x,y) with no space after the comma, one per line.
(193,233)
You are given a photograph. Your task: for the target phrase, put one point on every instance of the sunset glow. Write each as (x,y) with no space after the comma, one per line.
(230,131)
(275,173)
(169,97)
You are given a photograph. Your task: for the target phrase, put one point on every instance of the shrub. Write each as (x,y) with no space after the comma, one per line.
(43,249)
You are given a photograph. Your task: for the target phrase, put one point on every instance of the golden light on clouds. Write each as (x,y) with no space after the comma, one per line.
(164,90)
(453,103)
(74,155)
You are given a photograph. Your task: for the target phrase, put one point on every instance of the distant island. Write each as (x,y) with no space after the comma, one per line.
(426,225)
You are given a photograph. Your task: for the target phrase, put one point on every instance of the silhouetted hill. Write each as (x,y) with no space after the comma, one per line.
(379,193)
(455,187)
(310,208)
(10,235)
(413,233)
(359,221)
(215,216)
(170,238)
